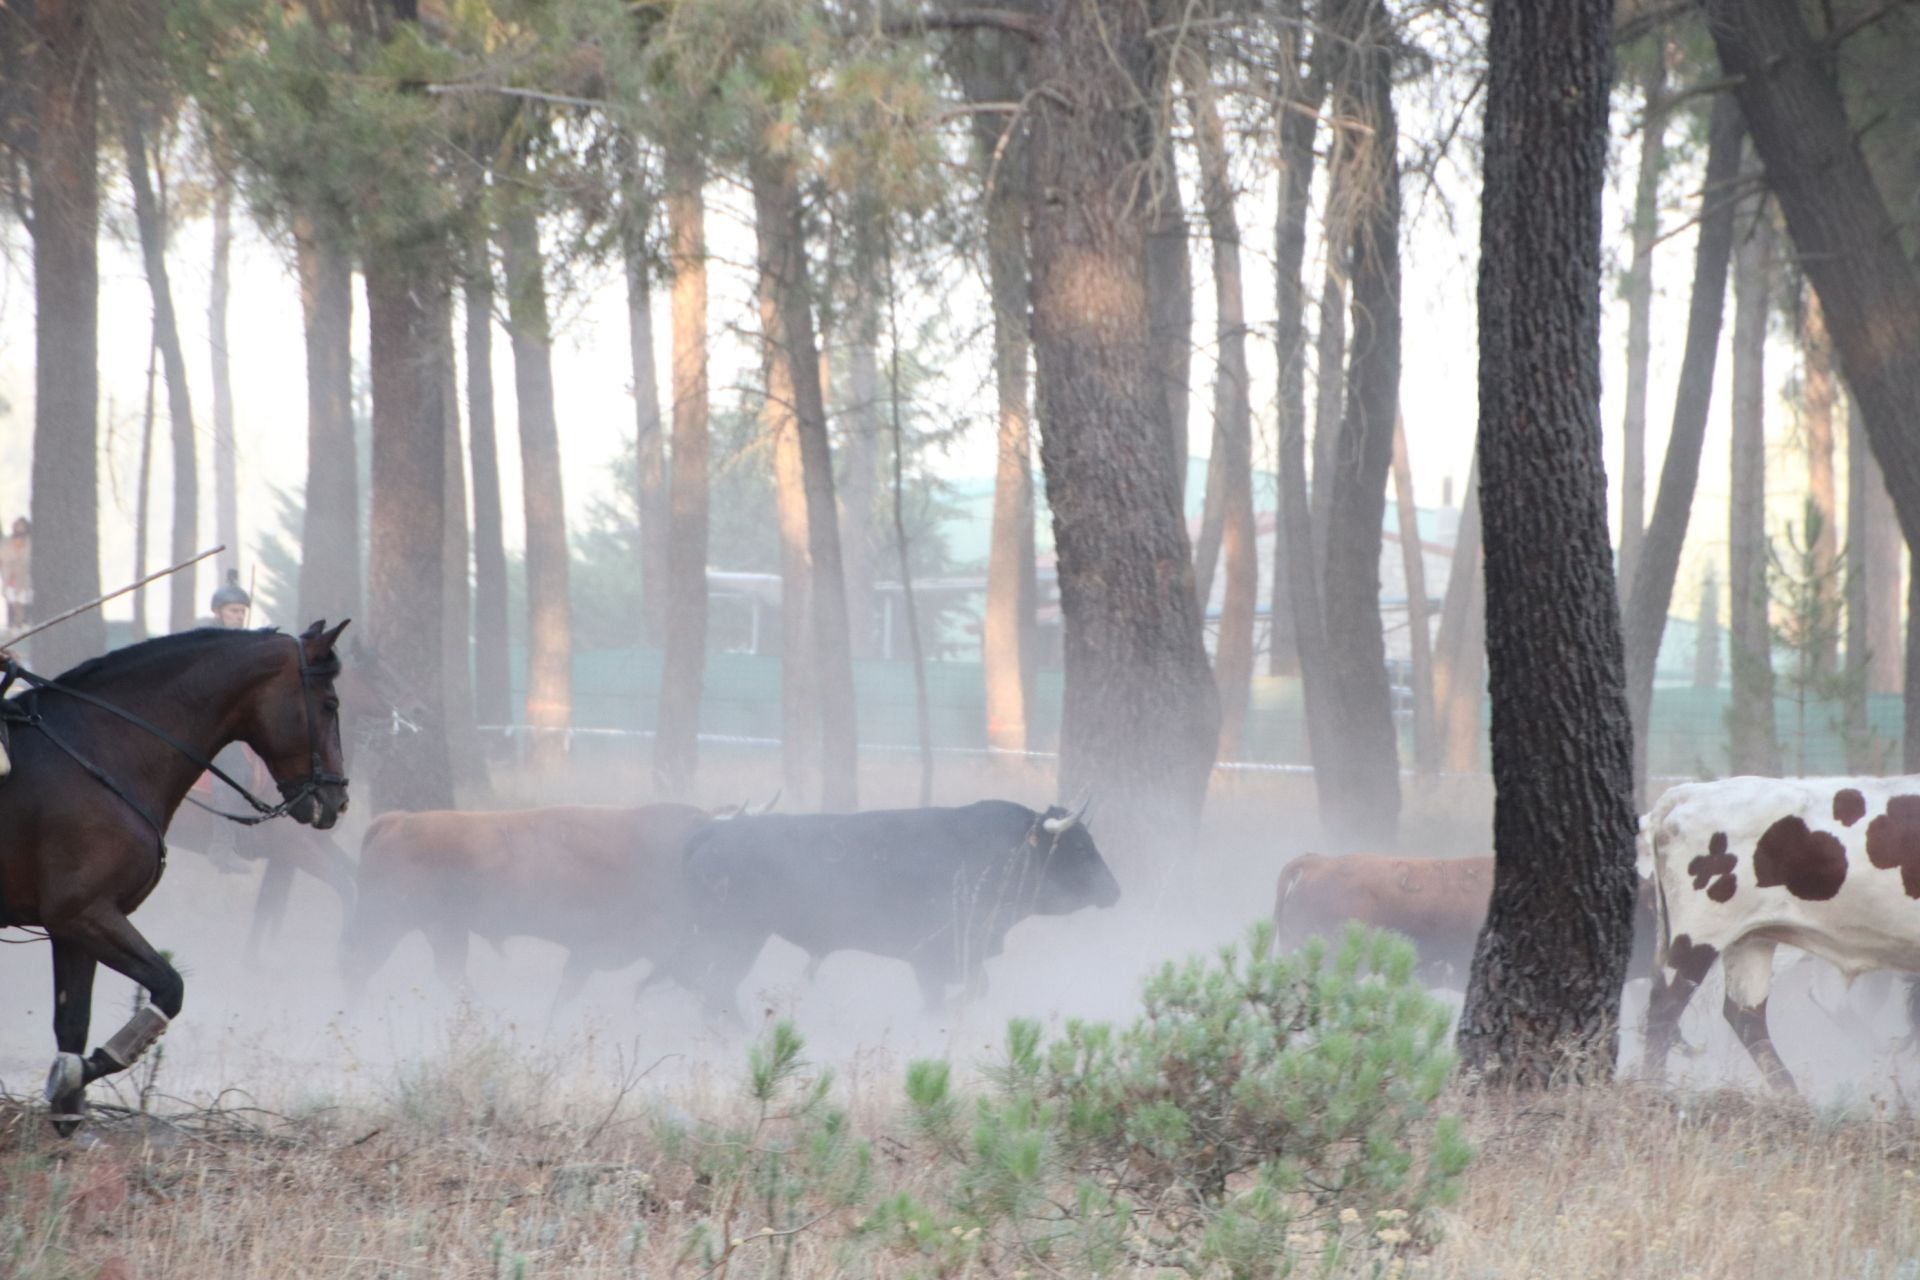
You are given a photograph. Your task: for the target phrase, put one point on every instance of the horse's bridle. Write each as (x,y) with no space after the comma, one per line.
(292,793)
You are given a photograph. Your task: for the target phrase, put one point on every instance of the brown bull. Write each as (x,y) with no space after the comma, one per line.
(1439,903)
(605,883)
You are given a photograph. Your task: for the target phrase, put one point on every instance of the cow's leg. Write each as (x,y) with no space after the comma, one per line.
(933,989)
(372,932)
(1748,964)
(73,970)
(1674,983)
(813,967)
(449,943)
(269,904)
(573,980)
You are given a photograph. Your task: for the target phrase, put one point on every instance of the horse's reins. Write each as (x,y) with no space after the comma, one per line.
(302,788)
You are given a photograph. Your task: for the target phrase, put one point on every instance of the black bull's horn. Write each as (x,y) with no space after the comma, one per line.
(1060,826)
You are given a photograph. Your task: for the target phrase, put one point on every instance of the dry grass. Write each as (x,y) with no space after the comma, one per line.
(486,1167)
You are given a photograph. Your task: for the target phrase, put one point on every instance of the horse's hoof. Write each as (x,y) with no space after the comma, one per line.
(66,1092)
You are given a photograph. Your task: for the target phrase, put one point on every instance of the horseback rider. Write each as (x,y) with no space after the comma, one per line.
(230,606)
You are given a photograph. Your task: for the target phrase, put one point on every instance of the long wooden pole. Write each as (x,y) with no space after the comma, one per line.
(97,601)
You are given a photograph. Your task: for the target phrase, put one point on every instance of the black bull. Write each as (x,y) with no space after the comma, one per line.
(937,888)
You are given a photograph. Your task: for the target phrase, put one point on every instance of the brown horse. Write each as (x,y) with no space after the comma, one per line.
(102,758)
(376,706)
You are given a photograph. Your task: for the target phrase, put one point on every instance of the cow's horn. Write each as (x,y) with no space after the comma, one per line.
(1059,826)
(768,806)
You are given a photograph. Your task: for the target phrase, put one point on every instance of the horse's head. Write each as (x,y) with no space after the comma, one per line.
(375,698)
(296,729)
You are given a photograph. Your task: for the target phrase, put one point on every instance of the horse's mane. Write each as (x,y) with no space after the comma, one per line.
(171,650)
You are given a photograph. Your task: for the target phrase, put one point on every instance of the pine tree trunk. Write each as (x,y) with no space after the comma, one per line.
(676,751)
(1170,300)
(1842,233)
(860,435)
(549,619)
(142,494)
(1658,563)
(330,538)
(1413,556)
(1818,398)
(1639,290)
(1910,704)
(152,220)
(793,378)
(649,444)
(226,457)
(1706,648)
(1859,624)
(1009,632)
(1885,554)
(406,555)
(1460,650)
(64,161)
(1233,427)
(1751,733)
(1330,341)
(1295,581)
(1359,777)
(1543,1002)
(492,677)
(1141,716)
(456,602)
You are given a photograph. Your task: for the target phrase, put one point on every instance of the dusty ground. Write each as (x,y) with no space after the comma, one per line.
(430,1133)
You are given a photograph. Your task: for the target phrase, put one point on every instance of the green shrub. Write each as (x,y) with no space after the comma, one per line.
(1264,1112)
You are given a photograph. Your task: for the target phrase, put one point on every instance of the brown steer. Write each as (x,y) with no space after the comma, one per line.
(605,883)
(1439,903)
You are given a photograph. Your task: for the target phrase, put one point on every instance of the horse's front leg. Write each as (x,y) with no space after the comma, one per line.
(73,968)
(105,935)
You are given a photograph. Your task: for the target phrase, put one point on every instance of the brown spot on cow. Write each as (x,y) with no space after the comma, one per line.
(1893,840)
(1715,865)
(1812,865)
(1849,806)
(1691,959)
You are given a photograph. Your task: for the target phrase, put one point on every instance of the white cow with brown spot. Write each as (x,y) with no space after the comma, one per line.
(1828,865)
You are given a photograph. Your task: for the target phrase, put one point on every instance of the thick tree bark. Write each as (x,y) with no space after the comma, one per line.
(1659,559)
(793,377)
(1818,398)
(799,697)
(1413,557)
(151,218)
(330,527)
(1543,1002)
(1358,772)
(456,580)
(1460,650)
(1009,632)
(66,283)
(1295,579)
(226,457)
(676,750)
(492,679)
(649,444)
(1910,704)
(1646,235)
(1751,734)
(1232,426)
(1141,716)
(549,618)
(406,556)
(1842,233)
